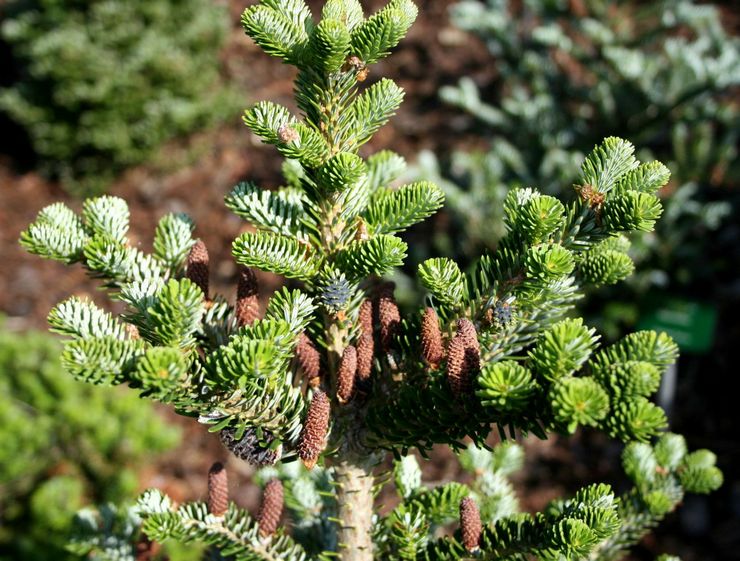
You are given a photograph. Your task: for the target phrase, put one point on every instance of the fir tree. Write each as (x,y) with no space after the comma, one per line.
(503,354)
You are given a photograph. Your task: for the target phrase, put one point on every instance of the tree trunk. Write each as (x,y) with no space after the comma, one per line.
(355,499)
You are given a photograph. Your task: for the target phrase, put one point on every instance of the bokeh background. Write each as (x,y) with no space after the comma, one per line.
(142,99)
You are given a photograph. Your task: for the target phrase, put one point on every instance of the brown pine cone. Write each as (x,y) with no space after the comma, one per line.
(309,359)
(346,375)
(432,347)
(197,269)
(271,508)
(247,297)
(463,359)
(365,317)
(365,352)
(389,317)
(315,427)
(218,490)
(470,524)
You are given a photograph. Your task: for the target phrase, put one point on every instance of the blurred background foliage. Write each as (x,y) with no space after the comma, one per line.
(103,83)
(663,74)
(63,444)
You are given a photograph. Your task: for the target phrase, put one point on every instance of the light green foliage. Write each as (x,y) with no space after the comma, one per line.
(520,362)
(63,444)
(103,84)
(568,74)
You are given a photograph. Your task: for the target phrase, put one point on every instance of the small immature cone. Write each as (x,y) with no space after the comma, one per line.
(388,316)
(365,352)
(470,524)
(315,427)
(218,490)
(309,359)
(346,375)
(432,347)
(466,329)
(271,508)
(247,297)
(197,266)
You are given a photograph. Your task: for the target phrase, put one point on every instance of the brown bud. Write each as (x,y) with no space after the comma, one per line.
(247,297)
(470,524)
(287,134)
(197,266)
(388,316)
(365,317)
(315,427)
(365,352)
(346,375)
(308,358)
(463,359)
(432,347)
(271,508)
(218,490)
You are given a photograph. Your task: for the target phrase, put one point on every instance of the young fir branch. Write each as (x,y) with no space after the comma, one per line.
(496,350)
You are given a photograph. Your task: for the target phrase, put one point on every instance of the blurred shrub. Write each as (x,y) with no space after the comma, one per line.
(63,444)
(103,83)
(661,74)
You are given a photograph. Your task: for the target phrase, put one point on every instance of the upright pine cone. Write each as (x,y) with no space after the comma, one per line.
(388,316)
(365,352)
(470,524)
(218,490)
(309,359)
(197,266)
(463,359)
(365,317)
(271,508)
(346,375)
(247,297)
(315,428)
(432,347)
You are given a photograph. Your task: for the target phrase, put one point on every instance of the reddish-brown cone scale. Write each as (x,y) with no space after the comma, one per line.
(346,375)
(247,297)
(470,524)
(218,490)
(365,317)
(313,436)
(432,347)
(271,508)
(197,269)
(309,359)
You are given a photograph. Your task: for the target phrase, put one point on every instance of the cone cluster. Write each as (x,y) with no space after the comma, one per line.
(313,436)
(218,490)
(247,297)
(271,508)
(197,268)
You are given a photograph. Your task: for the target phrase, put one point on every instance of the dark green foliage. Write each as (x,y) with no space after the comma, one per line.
(62,444)
(103,84)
